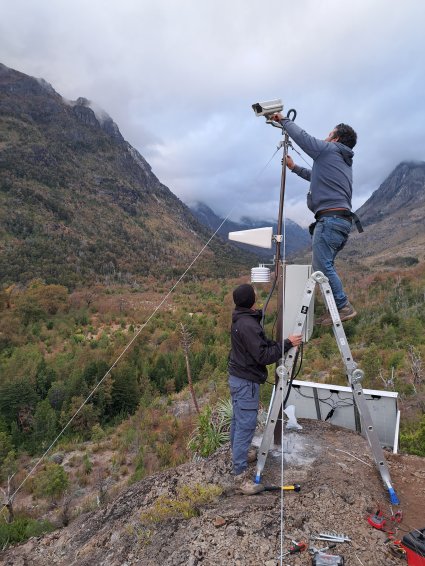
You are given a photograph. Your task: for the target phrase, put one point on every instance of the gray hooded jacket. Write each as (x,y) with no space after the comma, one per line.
(331,178)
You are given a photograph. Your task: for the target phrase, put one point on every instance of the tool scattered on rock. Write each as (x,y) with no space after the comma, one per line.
(297,547)
(377,520)
(293,487)
(322,559)
(396,549)
(331,537)
(383,523)
(314,550)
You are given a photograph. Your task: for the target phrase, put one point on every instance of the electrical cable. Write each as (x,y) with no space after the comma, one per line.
(344,402)
(296,151)
(266,304)
(300,351)
(292,377)
(124,351)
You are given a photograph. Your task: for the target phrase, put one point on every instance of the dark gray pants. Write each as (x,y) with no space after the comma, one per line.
(245,399)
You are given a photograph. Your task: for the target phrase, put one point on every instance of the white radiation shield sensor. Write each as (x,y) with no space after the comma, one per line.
(260,274)
(261,237)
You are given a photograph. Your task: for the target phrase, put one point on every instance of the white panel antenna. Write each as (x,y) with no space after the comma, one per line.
(261,237)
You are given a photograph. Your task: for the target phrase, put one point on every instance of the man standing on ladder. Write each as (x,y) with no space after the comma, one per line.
(329,198)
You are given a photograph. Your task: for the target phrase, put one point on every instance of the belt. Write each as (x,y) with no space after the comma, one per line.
(342,214)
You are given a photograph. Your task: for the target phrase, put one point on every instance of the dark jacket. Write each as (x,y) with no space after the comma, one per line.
(331,178)
(251,351)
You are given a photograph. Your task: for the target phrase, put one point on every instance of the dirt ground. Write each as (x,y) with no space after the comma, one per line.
(341,487)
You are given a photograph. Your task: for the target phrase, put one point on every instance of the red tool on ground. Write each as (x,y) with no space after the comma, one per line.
(377,520)
(298,546)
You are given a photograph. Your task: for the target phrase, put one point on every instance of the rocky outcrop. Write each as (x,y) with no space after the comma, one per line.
(393,221)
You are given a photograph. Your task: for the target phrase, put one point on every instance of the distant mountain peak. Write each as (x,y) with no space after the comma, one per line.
(402,190)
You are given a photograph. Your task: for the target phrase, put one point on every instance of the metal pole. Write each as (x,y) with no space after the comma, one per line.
(280,274)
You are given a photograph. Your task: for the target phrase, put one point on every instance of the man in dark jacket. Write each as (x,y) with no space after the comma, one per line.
(250,354)
(331,187)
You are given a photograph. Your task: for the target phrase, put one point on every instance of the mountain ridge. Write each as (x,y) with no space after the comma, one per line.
(403,188)
(80,204)
(393,219)
(297,238)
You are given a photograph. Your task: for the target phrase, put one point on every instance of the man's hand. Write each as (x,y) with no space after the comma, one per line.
(277,117)
(290,163)
(295,339)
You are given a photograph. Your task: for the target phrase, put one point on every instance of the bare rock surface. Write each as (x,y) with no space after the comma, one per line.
(340,487)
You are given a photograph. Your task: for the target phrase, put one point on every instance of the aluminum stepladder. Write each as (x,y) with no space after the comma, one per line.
(354,376)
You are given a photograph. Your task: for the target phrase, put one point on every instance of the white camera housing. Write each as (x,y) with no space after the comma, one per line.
(268,108)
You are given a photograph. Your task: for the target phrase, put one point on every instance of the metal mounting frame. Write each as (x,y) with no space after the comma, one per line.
(354,375)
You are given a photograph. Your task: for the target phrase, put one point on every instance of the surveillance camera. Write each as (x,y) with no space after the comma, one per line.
(268,108)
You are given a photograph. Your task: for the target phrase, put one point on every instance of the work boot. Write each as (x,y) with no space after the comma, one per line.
(347,312)
(252,455)
(245,484)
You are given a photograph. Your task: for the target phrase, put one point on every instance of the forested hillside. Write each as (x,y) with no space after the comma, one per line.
(56,346)
(79,204)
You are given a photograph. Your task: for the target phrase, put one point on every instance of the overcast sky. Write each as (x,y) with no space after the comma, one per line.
(179,78)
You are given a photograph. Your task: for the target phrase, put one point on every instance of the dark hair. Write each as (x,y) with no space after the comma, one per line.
(244,296)
(346,135)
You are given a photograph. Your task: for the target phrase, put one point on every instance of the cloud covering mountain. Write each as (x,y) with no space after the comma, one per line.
(180,79)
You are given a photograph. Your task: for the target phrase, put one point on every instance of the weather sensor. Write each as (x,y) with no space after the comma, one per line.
(260,274)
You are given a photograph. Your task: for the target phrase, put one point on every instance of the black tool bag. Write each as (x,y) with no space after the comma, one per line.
(415,542)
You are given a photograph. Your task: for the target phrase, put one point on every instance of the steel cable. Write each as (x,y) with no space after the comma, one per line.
(124,351)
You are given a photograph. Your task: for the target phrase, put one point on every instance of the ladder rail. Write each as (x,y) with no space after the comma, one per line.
(284,371)
(354,377)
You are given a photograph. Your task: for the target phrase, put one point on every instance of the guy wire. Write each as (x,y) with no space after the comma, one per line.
(296,151)
(124,351)
(115,363)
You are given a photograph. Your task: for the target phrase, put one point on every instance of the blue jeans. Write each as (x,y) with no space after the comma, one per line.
(329,237)
(245,400)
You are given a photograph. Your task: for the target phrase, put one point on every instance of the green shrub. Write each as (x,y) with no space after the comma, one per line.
(22,529)
(211,433)
(413,442)
(87,465)
(51,482)
(185,505)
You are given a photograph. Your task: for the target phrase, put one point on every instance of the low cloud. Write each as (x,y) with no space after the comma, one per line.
(179,80)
